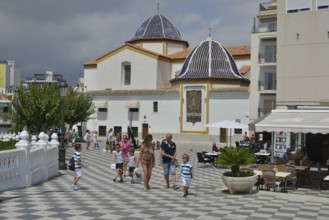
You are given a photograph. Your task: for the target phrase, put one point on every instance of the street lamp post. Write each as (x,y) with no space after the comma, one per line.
(61,153)
(17,99)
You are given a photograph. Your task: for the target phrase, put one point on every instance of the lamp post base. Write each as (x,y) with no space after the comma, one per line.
(62,166)
(61,155)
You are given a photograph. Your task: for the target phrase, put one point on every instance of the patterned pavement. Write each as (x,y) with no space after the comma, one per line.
(101,198)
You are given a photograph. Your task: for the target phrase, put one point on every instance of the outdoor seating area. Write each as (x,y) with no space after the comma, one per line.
(284,178)
(275,174)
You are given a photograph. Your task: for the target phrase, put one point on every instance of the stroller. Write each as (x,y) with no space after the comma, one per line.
(138,175)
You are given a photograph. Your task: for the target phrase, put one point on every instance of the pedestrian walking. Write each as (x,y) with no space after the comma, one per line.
(132,163)
(168,154)
(74,137)
(110,140)
(78,165)
(95,140)
(187,173)
(119,160)
(86,138)
(147,159)
(124,146)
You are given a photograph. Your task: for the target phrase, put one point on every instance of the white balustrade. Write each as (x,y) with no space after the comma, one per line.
(29,163)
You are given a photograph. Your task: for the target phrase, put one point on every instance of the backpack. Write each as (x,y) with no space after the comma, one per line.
(72,164)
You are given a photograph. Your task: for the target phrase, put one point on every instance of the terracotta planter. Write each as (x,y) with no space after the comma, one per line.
(240,185)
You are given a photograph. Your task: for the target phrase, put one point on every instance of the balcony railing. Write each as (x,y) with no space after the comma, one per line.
(263,111)
(266,85)
(266,58)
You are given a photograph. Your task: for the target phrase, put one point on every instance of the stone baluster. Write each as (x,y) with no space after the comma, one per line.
(25,162)
(43,143)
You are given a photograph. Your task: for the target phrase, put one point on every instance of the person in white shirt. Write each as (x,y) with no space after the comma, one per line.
(109,140)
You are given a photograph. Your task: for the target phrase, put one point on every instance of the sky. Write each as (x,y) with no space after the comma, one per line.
(62,35)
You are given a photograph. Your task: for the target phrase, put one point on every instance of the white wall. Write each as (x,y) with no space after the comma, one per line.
(164,121)
(228,106)
(109,72)
(173,48)
(156,47)
(303,51)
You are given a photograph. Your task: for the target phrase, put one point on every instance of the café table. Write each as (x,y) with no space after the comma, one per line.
(262,156)
(300,168)
(213,156)
(278,174)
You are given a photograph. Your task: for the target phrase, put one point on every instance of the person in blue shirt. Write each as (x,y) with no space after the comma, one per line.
(187,173)
(286,155)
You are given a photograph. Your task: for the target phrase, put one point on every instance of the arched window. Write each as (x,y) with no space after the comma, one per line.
(126,73)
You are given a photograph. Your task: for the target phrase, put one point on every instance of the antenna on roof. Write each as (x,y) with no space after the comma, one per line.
(209,31)
(158,7)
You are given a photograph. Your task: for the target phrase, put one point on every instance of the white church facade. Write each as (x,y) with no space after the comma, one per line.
(154,84)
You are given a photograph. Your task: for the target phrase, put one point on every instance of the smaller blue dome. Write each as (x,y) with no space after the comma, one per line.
(157,27)
(209,60)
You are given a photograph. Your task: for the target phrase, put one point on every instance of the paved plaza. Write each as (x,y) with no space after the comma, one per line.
(101,198)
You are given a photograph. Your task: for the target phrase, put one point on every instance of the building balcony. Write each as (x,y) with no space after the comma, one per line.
(267,86)
(267,58)
(263,111)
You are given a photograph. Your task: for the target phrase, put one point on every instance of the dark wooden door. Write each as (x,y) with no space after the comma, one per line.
(222,135)
(145,130)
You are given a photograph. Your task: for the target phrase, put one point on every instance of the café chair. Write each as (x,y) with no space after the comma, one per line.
(281,168)
(270,180)
(292,178)
(303,174)
(202,159)
(260,181)
(263,166)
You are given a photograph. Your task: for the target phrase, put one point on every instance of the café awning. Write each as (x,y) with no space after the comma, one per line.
(304,121)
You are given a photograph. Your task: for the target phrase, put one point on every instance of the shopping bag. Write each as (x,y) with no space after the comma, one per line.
(112,166)
(138,175)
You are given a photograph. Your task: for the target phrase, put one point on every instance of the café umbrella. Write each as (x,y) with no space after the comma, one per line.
(227,124)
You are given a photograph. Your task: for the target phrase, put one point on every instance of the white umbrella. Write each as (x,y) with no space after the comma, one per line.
(227,124)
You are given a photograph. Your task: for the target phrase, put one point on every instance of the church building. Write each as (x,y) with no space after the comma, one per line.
(155,84)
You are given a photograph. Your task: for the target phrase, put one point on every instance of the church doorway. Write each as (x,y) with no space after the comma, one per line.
(145,130)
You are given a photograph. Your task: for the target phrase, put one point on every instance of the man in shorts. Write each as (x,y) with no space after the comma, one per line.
(168,154)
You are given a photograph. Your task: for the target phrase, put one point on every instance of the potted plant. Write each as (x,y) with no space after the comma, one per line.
(237,181)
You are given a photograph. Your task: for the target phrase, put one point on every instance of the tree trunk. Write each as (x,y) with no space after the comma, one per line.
(235,170)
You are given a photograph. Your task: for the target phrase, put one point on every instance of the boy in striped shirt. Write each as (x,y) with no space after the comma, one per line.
(78,165)
(187,173)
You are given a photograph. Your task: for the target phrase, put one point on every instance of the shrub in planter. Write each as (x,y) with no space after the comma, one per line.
(236,157)
(7,145)
(237,181)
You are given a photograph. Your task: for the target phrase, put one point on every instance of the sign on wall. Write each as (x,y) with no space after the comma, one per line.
(193,106)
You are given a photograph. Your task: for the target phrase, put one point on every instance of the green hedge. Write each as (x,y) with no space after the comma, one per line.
(7,145)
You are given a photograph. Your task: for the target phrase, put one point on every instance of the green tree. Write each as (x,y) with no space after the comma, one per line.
(77,107)
(40,108)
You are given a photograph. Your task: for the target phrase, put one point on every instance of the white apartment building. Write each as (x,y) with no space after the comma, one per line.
(263,78)
(302,70)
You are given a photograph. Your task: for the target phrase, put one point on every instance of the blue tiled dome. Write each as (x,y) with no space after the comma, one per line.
(209,60)
(157,27)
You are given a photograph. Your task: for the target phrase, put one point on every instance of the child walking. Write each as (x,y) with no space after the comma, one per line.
(132,163)
(78,165)
(187,173)
(119,160)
